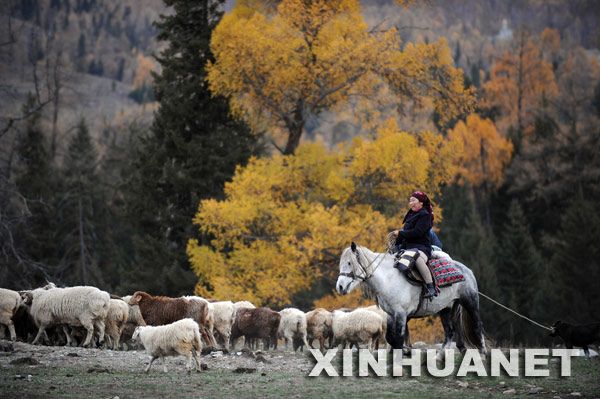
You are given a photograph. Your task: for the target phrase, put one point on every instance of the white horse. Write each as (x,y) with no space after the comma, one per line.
(400,299)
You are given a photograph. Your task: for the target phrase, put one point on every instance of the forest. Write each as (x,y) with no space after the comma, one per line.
(234,149)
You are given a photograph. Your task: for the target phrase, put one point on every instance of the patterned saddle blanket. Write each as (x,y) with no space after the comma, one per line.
(442,269)
(444,272)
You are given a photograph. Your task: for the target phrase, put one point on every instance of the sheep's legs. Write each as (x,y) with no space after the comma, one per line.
(41,330)
(197,360)
(152,359)
(11,329)
(67,335)
(100,326)
(164,363)
(89,326)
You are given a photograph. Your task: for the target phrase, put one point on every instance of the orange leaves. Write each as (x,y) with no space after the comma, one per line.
(520,83)
(485,153)
(286,219)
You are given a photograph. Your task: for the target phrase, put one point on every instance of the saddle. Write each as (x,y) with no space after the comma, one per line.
(405,263)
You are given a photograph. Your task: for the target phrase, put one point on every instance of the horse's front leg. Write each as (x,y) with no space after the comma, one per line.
(396,326)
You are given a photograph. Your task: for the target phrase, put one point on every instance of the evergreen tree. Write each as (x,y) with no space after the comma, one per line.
(35,183)
(574,266)
(519,275)
(80,213)
(468,240)
(193,148)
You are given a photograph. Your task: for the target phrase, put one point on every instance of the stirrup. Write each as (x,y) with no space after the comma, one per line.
(430,291)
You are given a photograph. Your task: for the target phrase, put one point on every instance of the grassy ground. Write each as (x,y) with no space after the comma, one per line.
(91,373)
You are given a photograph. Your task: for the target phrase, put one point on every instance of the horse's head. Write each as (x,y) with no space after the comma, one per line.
(351,270)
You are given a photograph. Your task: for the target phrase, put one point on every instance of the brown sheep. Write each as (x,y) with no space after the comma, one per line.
(259,323)
(161,310)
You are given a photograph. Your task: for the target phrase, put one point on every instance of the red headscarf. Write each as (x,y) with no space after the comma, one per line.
(421,196)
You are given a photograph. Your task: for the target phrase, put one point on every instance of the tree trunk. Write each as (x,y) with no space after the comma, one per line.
(81,245)
(295,129)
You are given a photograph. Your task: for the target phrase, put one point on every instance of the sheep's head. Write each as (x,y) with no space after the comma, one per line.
(136,298)
(136,334)
(26,297)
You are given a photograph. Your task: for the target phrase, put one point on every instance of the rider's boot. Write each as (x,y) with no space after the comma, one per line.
(430,291)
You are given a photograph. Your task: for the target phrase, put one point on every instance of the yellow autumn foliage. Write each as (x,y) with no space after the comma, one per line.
(279,65)
(485,152)
(426,329)
(334,301)
(285,219)
(521,83)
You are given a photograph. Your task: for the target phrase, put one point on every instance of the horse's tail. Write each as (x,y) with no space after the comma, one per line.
(465,326)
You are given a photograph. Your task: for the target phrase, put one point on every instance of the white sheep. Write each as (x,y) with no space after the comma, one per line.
(181,337)
(73,306)
(292,327)
(9,303)
(360,326)
(384,317)
(318,326)
(224,317)
(118,314)
(244,304)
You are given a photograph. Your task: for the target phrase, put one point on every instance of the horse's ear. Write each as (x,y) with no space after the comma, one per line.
(353,246)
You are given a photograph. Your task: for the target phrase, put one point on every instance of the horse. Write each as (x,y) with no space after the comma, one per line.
(457,305)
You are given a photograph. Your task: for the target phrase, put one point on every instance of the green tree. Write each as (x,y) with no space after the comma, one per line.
(574,264)
(191,151)
(35,184)
(80,212)
(467,239)
(520,274)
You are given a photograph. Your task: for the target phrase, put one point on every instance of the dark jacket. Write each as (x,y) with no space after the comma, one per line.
(415,233)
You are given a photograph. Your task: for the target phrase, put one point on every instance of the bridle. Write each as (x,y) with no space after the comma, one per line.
(364,269)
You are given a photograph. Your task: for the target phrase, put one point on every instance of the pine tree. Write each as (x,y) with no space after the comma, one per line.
(193,148)
(80,212)
(468,240)
(519,274)
(35,183)
(574,267)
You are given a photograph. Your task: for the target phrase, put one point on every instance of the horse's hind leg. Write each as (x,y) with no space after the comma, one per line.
(471,305)
(458,337)
(446,318)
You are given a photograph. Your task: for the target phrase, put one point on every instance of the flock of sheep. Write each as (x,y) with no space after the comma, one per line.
(176,326)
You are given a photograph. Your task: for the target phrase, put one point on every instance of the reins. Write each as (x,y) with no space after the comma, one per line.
(363,268)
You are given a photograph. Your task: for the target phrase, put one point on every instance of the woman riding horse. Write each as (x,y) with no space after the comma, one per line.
(418,222)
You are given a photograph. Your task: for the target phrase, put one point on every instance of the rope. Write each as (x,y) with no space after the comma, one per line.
(518,314)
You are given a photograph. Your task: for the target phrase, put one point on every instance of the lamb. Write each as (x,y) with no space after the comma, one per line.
(360,326)
(160,310)
(292,327)
(224,317)
(74,306)
(256,323)
(181,337)
(318,326)
(10,301)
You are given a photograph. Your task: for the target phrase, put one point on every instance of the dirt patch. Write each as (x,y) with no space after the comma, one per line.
(67,372)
